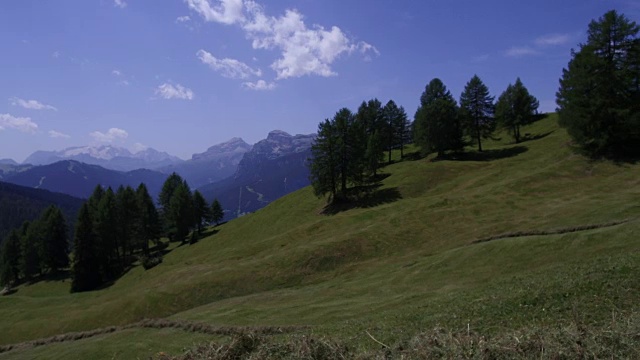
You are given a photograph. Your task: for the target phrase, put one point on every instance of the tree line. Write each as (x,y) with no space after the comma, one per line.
(113,230)
(349,148)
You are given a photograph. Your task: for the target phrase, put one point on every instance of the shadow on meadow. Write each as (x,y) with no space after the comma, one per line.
(364,196)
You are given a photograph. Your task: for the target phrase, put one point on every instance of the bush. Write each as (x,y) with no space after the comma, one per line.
(149,261)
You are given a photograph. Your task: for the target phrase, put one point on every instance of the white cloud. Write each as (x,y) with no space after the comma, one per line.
(229,68)
(304,50)
(120,3)
(181,19)
(170,91)
(116,72)
(58,135)
(110,136)
(23,124)
(519,51)
(226,12)
(259,85)
(553,39)
(124,82)
(55,54)
(31,104)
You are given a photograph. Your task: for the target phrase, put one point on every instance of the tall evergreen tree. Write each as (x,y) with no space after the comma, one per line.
(393,120)
(477,110)
(437,124)
(55,247)
(217,213)
(10,259)
(31,244)
(516,108)
(168,188)
(599,96)
(401,128)
(148,226)
(127,213)
(348,148)
(181,212)
(375,153)
(323,166)
(201,210)
(106,225)
(85,268)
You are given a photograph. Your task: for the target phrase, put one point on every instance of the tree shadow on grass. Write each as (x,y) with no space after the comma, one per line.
(531,137)
(362,197)
(487,155)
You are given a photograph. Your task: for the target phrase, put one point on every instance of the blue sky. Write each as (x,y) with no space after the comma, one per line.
(182,75)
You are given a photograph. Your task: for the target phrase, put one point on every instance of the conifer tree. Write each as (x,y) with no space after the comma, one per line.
(375,153)
(106,220)
(85,268)
(55,247)
(323,167)
(31,244)
(437,124)
(181,212)
(201,210)
(10,259)
(516,108)
(599,96)
(217,213)
(477,110)
(147,227)
(127,213)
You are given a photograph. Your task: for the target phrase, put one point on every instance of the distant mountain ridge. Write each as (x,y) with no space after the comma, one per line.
(79,179)
(107,156)
(19,204)
(218,162)
(273,168)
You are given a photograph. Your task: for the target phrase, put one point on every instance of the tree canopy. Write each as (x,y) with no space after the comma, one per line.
(599,95)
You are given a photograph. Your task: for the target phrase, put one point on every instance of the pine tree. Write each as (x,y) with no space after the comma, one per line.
(477,110)
(31,244)
(201,210)
(106,230)
(85,269)
(375,153)
(437,124)
(369,119)
(217,213)
(148,226)
(127,213)
(55,247)
(401,128)
(323,166)
(599,95)
(516,108)
(181,212)
(10,259)
(168,188)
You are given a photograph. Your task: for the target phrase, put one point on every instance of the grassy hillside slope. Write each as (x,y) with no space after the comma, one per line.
(403,261)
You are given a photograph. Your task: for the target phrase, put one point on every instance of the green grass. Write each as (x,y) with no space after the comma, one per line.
(403,266)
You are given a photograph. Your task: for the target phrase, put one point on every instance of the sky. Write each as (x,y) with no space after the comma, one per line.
(182,75)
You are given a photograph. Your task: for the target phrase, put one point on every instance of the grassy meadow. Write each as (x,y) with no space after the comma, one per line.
(401,262)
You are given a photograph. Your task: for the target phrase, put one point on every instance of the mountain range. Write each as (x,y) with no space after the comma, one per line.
(273,168)
(244,178)
(107,156)
(79,179)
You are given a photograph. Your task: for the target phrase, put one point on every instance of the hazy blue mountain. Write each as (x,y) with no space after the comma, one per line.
(8,162)
(79,179)
(19,204)
(107,156)
(218,162)
(273,168)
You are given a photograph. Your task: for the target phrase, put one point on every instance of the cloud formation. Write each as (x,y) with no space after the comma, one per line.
(304,50)
(120,3)
(181,19)
(58,135)
(553,39)
(170,91)
(226,12)
(229,68)
(519,51)
(31,104)
(23,124)
(110,136)
(259,85)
